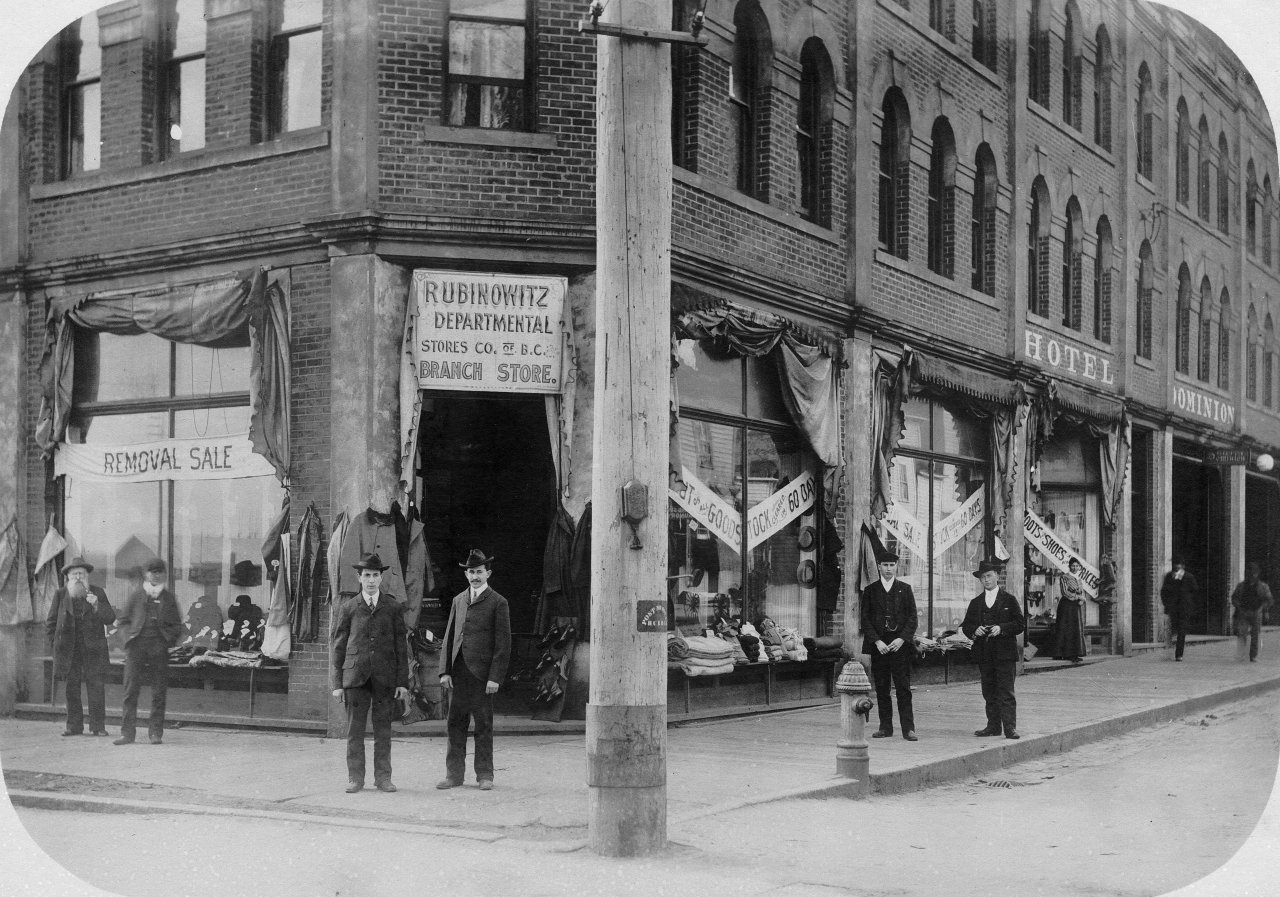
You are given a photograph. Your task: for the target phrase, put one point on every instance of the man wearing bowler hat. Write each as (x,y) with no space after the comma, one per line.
(77,624)
(151,626)
(993,621)
(477,647)
(889,619)
(370,663)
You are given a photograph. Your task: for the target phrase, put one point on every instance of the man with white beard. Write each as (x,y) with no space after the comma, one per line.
(151,626)
(77,624)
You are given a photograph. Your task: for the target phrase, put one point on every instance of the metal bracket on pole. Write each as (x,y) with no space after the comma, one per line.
(595,26)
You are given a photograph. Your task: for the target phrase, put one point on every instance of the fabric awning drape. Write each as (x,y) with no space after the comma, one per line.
(1104,418)
(232,311)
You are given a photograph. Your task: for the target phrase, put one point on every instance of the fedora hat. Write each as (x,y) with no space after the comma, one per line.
(371,562)
(77,561)
(476,559)
(886,555)
(990,565)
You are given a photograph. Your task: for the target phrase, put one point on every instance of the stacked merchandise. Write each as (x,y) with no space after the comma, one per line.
(792,643)
(825,647)
(752,645)
(698,655)
(771,640)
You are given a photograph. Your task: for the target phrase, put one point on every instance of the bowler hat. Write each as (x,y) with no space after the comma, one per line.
(990,565)
(476,559)
(155,565)
(886,555)
(77,561)
(371,562)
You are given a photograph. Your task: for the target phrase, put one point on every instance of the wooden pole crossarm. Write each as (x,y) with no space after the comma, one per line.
(591,26)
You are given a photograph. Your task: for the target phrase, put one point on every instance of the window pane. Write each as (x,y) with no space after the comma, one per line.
(489,9)
(916,434)
(1071,460)
(122,429)
(490,51)
(486,106)
(188,27)
(110,367)
(200,370)
(1074,518)
(764,391)
(300,13)
(190,106)
(300,99)
(776,585)
(196,423)
(85,54)
(959,536)
(84,124)
(707,381)
(958,434)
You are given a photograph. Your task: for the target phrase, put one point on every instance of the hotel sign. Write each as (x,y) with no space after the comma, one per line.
(1065,357)
(488,332)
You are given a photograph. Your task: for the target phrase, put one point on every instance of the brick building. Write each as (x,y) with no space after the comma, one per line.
(991,278)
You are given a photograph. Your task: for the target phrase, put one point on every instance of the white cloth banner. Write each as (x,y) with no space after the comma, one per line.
(709,509)
(208,458)
(780,508)
(1044,540)
(907,530)
(958,523)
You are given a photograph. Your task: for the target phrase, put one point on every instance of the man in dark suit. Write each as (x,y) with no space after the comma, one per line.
(993,621)
(151,626)
(1179,593)
(77,624)
(370,664)
(888,633)
(477,647)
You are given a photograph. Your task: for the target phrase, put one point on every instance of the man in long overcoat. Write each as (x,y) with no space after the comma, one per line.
(994,621)
(889,620)
(1179,594)
(151,626)
(77,623)
(477,648)
(370,669)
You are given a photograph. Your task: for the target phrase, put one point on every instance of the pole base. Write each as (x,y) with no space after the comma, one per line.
(627,822)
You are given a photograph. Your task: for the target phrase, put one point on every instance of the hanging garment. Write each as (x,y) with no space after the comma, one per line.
(419,580)
(336,537)
(275,640)
(15,582)
(556,601)
(370,532)
(47,584)
(304,610)
(580,573)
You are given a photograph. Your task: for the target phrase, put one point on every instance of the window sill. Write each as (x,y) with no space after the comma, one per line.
(884,257)
(187,163)
(1201,386)
(763,209)
(488,137)
(1070,131)
(950,47)
(1144,362)
(1143,181)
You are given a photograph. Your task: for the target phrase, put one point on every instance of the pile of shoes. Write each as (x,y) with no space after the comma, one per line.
(552,672)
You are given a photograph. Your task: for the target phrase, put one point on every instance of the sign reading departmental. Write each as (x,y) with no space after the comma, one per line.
(488,332)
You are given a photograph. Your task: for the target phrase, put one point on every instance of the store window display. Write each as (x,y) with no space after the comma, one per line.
(1069,501)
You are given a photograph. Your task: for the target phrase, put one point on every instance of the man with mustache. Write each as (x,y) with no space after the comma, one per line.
(77,624)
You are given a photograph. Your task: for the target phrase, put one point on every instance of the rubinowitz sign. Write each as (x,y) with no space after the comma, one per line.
(488,332)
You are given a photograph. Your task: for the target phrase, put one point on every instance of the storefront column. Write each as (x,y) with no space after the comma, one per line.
(1015,576)
(368,326)
(1236,522)
(1162,528)
(1122,555)
(856,495)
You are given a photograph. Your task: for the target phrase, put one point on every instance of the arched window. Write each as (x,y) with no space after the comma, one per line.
(1038,53)
(1038,250)
(1144,126)
(1251,356)
(813,132)
(1182,322)
(1251,209)
(895,173)
(1146,283)
(942,18)
(1071,99)
(1102,90)
(1072,267)
(984,33)
(1183,166)
(1102,279)
(1268,211)
(1203,356)
(1224,340)
(1268,363)
(1224,184)
(942,199)
(982,255)
(1204,152)
(749,97)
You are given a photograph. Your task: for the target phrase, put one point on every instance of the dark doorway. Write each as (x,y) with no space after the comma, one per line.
(1144,602)
(488,483)
(1198,537)
(1262,528)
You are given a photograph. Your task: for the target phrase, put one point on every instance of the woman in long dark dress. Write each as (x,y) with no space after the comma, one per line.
(1069,642)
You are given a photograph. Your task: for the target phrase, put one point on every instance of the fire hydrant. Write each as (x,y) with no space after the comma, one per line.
(852,759)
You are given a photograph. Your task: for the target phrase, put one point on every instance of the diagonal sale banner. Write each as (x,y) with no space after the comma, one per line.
(1044,540)
(909,531)
(780,508)
(709,509)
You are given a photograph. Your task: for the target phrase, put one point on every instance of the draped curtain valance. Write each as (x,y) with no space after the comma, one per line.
(1103,418)
(241,310)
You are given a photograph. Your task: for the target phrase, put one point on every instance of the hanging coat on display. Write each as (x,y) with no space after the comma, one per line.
(370,532)
(47,585)
(276,555)
(15,581)
(304,611)
(580,573)
(419,580)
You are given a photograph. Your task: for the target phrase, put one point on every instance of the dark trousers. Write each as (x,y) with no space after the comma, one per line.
(997,691)
(1178,632)
(895,668)
(469,702)
(146,661)
(97,694)
(359,701)
(1249,626)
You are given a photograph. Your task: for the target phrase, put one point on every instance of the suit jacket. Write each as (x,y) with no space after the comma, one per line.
(1005,613)
(888,615)
(1179,596)
(480,634)
(131,618)
(62,624)
(370,645)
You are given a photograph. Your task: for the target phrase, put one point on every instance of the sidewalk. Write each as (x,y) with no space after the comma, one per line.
(541,795)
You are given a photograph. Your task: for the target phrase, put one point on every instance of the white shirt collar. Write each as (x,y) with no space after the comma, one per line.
(888,583)
(476,593)
(371,600)
(990,595)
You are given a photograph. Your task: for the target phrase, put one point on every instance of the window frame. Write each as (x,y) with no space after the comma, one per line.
(279,43)
(527,84)
(169,88)
(941,203)
(72,121)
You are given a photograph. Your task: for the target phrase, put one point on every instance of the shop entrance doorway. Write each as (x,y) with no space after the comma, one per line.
(1198,537)
(488,482)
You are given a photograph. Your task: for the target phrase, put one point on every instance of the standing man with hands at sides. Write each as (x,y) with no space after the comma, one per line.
(1179,593)
(77,622)
(889,621)
(151,626)
(993,621)
(370,660)
(477,648)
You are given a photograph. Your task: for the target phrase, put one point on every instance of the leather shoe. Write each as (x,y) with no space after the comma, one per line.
(123,739)
(986,733)
(155,739)
(910,736)
(385,786)
(98,732)
(486,784)
(66,732)
(353,786)
(1012,733)
(448,783)
(882,733)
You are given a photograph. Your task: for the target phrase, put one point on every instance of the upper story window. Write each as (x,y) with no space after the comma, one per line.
(1071,67)
(80,65)
(983,227)
(1268,210)
(1203,155)
(1102,90)
(1224,340)
(748,97)
(813,131)
(1268,363)
(895,174)
(1224,184)
(1183,323)
(1038,250)
(942,200)
(1182,166)
(984,33)
(1205,343)
(1073,267)
(294,75)
(1251,209)
(490,63)
(942,18)
(182,88)
(1251,356)
(1144,124)
(1038,53)
(1102,281)
(1146,286)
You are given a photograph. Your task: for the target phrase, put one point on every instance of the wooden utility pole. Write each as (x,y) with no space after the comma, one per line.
(627,708)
